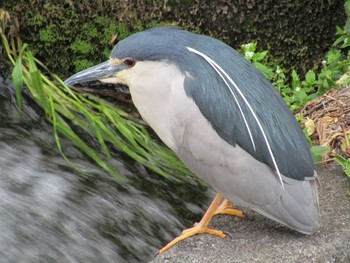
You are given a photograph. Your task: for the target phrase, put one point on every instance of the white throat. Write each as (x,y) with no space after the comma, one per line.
(156,88)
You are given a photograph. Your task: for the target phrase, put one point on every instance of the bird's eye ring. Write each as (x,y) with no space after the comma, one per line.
(130,62)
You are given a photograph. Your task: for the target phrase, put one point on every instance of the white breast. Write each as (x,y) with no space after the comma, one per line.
(157,89)
(158,93)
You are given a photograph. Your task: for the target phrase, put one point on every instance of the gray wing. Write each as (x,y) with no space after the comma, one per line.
(250,112)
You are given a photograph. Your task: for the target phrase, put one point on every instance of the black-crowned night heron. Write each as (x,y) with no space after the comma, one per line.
(222,118)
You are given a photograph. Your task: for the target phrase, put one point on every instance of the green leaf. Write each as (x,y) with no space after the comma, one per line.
(339,40)
(343,145)
(345,44)
(340,31)
(301,95)
(264,69)
(345,163)
(260,55)
(333,56)
(347,7)
(295,79)
(310,77)
(317,152)
(250,47)
(37,82)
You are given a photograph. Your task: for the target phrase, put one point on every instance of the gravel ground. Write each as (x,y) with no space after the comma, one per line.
(258,239)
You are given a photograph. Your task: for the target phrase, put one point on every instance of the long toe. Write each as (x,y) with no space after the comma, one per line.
(226,209)
(197,229)
(202,226)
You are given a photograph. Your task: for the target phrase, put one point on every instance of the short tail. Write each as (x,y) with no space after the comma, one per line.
(297,207)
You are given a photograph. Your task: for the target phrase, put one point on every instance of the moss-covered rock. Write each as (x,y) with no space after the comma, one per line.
(71,35)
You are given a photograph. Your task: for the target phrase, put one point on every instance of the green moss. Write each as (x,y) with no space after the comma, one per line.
(82,47)
(89,30)
(287,28)
(37,20)
(49,34)
(123,31)
(81,64)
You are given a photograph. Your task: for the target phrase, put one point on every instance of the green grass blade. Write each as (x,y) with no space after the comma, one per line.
(17,78)
(68,110)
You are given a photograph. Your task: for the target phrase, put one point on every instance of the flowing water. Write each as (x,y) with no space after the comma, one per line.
(51,213)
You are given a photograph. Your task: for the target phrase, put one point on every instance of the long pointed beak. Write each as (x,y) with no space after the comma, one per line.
(99,72)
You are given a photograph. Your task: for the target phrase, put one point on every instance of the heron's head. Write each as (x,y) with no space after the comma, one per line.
(142,57)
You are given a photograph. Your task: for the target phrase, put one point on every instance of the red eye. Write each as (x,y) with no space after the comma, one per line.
(129,62)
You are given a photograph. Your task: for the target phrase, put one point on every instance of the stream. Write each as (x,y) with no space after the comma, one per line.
(50,212)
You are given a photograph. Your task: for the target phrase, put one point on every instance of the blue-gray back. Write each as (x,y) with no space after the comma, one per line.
(213,97)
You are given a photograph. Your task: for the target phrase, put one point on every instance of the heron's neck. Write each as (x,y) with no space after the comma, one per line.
(154,89)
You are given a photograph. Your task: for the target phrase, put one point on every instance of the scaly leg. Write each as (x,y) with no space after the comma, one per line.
(202,226)
(226,209)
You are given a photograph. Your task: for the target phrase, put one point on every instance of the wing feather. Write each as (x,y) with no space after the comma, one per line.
(269,131)
(224,76)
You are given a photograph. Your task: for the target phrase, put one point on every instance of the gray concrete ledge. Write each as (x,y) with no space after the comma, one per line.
(258,239)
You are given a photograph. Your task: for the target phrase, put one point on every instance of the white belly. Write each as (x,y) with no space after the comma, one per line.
(179,123)
(160,98)
(229,170)
(239,177)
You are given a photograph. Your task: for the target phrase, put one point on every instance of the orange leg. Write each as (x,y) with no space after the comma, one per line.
(226,209)
(202,226)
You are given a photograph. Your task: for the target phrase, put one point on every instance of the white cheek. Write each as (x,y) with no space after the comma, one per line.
(122,77)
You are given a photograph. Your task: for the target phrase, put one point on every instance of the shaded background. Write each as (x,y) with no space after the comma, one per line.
(71,35)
